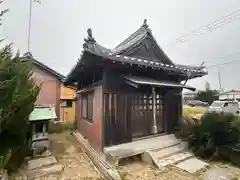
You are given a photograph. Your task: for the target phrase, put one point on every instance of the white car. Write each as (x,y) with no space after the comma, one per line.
(225,107)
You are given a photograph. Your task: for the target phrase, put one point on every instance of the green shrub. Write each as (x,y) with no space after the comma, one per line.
(216,136)
(59,127)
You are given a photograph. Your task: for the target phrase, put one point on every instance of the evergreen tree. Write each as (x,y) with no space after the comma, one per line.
(18,94)
(207,96)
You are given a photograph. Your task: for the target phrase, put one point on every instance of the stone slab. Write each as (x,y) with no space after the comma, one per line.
(43,171)
(218,174)
(138,147)
(4,175)
(192,165)
(165,152)
(173,159)
(36,163)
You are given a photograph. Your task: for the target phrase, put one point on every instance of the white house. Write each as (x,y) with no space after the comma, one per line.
(189,95)
(230,95)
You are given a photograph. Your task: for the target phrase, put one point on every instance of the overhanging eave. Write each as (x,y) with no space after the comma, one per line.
(138,81)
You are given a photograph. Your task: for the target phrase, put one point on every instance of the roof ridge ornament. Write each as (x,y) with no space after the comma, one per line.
(90,37)
(202,64)
(28,55)
(145,23)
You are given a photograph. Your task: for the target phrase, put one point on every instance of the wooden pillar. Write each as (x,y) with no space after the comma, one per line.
(165,111)
(154,124)
(33,128)
(44,128)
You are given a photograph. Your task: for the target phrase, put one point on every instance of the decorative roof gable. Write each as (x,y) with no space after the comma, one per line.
(142,44)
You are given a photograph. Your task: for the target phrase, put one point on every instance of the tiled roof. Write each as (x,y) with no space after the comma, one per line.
(143,62)
(131,40)
(91,46)
(44,113)
(28,56)
(94,48)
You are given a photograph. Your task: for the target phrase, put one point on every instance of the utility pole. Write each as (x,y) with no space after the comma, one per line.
(30,22)
(29,25)
(219,79)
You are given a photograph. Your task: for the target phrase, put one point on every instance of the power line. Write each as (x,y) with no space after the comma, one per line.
(225,57)
(219,73)
(208,30)
(210,23)
(221,57)
(221,64)
(209,27)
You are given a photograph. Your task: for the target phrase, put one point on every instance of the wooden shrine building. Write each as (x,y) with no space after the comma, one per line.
(131,91)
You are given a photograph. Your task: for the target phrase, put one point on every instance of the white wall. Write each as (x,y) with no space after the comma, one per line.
(230,95)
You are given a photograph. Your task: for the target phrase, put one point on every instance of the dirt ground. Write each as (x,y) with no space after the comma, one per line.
(76,163)
(136,169)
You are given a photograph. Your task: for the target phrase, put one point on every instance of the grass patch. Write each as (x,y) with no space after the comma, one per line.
(59,127)
(188,111)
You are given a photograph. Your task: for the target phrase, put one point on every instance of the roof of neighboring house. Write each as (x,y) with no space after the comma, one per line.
(231,91)
(28,56)
(127,53)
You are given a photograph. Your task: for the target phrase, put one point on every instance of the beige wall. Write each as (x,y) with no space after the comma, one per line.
(67,114)
(67,92)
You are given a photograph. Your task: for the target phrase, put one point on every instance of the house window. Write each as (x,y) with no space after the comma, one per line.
(87,106)
(66,103)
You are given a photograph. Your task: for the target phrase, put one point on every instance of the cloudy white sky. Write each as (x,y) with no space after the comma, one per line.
(59,26)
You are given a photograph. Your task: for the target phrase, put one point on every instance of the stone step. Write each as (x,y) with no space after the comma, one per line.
(168,149)
(173,159)
(44,171)
(117,152)
(44,161)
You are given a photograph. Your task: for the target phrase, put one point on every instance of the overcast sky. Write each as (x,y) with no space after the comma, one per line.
(59,26)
